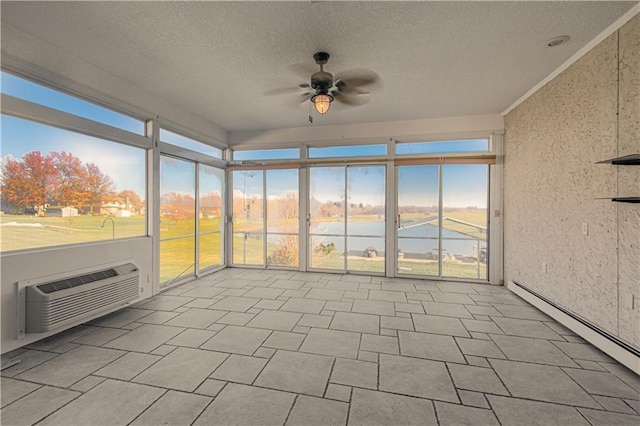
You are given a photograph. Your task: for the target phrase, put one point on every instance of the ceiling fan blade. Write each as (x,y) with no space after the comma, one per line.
(351,100)
(351,81)
(300,100)
(303,71)
(282,91)
(341,87)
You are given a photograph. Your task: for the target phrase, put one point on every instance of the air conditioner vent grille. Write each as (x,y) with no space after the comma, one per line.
(66,283)
(61,303)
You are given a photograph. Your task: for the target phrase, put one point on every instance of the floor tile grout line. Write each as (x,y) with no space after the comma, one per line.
(378,367)
(493,409)
(295,400)
(207,406)
(28,393)
(148,406)
(326,386)
(453,383)
(59,408)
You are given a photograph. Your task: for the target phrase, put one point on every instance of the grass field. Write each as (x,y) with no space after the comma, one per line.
(177,245)
(335,261)
(176,255)
(22,231)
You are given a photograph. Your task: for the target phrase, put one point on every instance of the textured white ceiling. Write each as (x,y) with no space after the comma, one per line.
(217,59)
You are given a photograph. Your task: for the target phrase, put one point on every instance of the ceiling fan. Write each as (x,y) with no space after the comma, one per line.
(347,87)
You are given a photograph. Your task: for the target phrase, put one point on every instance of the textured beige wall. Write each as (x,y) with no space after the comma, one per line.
(629,180)
(551,182)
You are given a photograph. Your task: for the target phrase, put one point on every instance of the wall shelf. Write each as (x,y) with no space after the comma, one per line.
(625,160)
(622,199)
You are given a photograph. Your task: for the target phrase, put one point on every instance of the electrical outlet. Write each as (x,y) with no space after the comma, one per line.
(585,228)
(629,301)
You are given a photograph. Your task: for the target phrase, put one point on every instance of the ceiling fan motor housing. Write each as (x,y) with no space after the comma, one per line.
(321,81)
(321,58)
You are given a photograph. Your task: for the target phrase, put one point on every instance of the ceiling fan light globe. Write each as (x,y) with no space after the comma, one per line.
(322,102)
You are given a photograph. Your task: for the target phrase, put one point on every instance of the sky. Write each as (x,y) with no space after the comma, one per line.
(463,185)
(124,164)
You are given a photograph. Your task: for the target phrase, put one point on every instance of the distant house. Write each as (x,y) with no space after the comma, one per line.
(115,208)
(62,212)
(69,211)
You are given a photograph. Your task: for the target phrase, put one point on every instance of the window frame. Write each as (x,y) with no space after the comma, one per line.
(184,151)
(443,139)
(36,113)
(266,160)
(70,91)
(367,144)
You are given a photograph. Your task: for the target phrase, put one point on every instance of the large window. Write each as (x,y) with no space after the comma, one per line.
(347,218)
(442,147)
(282,217)
(23,89)
(210,217)
(443,223)
(177,218)
(266,217)
(61,187)
(267,154)
(188,143)
(348,151)
(189,242)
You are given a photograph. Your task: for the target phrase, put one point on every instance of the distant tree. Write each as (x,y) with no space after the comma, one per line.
(284,207)
(177,205)
(131,199)
(71,187)
(14,183)
(27,183)
(58,178)
(99,186)
(211,203)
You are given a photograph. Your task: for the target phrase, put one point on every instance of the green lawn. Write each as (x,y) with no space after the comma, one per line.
(177,255)
(335,261)
(24,231)
(177,247)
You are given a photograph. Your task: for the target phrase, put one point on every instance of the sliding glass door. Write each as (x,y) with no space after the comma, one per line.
(443,222)
(189,243)
(265,218)
(177,219)
(418,220)
(210,215)
(347,218)
(283,218)
(248,220)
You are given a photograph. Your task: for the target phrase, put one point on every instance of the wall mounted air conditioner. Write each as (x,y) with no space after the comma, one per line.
(58,303)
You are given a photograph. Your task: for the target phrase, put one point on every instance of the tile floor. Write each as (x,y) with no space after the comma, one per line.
(272,347)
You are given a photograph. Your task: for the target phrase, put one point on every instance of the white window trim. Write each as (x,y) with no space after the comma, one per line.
(30,111)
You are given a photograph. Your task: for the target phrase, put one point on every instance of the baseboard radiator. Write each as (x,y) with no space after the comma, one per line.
(60,303)
(617,349)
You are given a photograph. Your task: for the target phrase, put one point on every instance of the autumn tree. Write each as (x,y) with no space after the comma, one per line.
(99,186)
(179,205)
(131,199)
(14,183)
(28,182)
(211,203)
(58,178)
(71,187)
